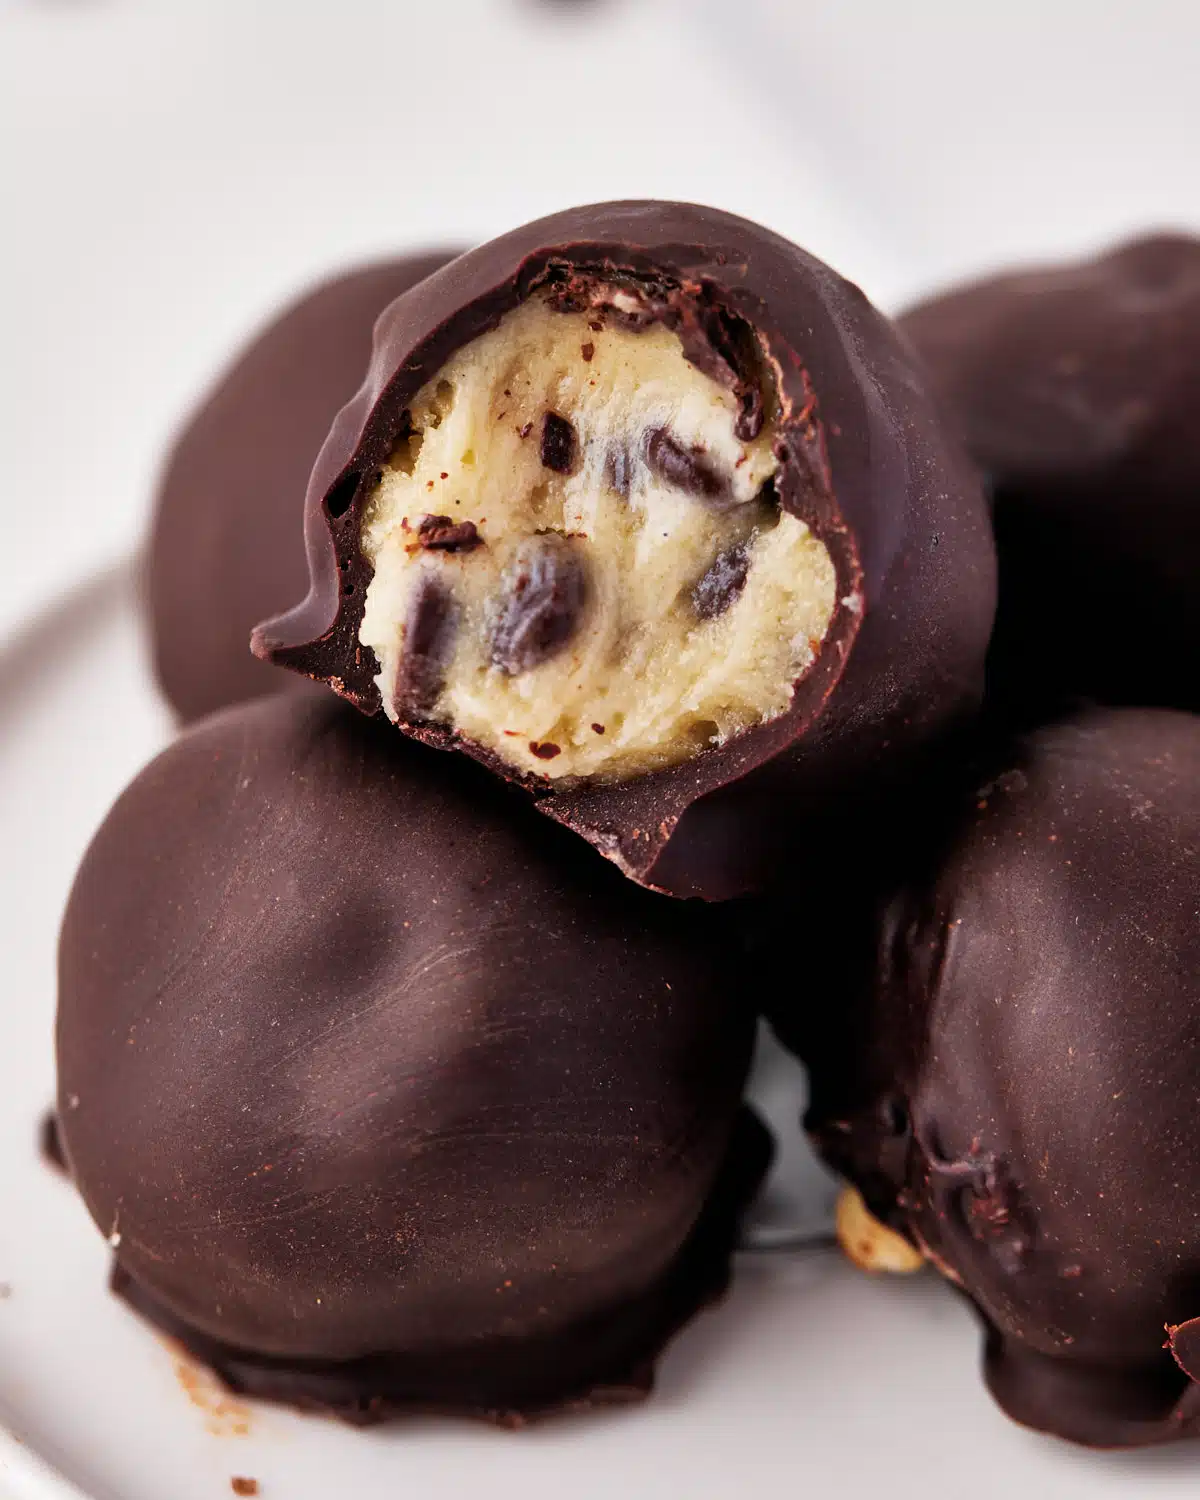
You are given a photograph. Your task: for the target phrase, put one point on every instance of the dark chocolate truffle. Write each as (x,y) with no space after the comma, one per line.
(718,537)
(1076,389)
(226,545)
(1024,1108)
(388,1093)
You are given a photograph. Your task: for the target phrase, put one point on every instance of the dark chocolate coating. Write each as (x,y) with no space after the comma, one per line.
(865,463)
(1024,1106)
(1076,389)
(226,544)
(393,1092)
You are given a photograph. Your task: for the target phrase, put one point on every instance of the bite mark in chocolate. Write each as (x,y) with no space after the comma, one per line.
(716,340)
(430,627)
(545,590)
(560,443)
(850,616)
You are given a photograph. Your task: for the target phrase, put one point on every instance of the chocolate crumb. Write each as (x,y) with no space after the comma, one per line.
(241,1486)
(443,534)
(559,443)
(545,751)
(587,350)
(599,728)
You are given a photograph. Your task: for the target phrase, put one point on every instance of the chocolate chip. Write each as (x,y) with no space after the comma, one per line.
(723,582)
(559,443)
(618,471)
(685,468)
(429,630)
(444,534)
(599,728)
(587,350)
(545,751)
(544,592)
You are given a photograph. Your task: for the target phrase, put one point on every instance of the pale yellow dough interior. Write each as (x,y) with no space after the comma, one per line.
(645,680)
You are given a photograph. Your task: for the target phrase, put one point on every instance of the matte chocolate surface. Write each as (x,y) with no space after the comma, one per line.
(1076,389)
(388,1093)
(226,545)
(1021,1098)
(862,461)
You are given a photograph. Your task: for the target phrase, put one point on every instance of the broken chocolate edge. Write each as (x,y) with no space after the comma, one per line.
(374,422)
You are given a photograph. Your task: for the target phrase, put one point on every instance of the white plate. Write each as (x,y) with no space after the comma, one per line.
(809,1379)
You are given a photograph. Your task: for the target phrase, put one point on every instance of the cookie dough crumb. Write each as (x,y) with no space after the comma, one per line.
(872,1246)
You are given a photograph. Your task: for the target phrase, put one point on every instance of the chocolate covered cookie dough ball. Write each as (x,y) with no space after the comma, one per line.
(1076,388)
(1023,1108)
(226,544)
(638,501)
(388,1093)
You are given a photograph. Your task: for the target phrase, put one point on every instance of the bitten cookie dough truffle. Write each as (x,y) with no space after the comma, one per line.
(387,1093)
(626,494)
(590,526)
(1076,388)
(1029,1116)
(226,545)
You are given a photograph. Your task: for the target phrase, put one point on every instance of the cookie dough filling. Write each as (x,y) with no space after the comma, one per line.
(579,563)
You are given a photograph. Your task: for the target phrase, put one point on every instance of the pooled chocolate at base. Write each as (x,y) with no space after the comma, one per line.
(367,1062)
(811,384)
(226,544)
(1020,1097)
(608,1361)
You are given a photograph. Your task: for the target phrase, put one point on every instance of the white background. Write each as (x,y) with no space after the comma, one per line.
(169,170)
